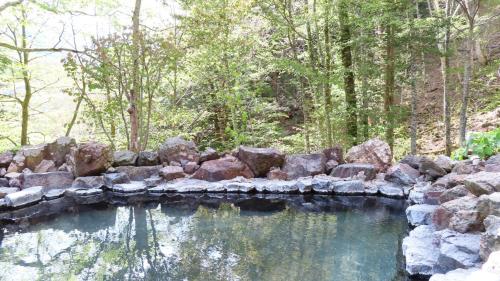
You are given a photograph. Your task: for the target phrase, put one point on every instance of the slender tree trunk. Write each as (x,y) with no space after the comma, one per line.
(349,87)
(466,83)
(413,119)
(25,115)
(136,87)
(327,90)
(75,115)
(389,86)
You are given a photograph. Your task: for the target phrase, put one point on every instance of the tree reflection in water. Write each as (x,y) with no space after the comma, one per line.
(304,239)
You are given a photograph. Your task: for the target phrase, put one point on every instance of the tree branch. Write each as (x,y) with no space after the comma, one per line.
(10,4)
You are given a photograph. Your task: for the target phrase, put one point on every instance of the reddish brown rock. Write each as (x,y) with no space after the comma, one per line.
(260,160)
(374,151)
(276,174)
(45,166)
(402,174)
(454,193)
(58,150)
(334,153)
(450,180)
(171,172)
(304,165)
(179,150)
(191,167)
(224,168)
(209,154)
(461,215)
(354,169)
(5,159)
(90,159)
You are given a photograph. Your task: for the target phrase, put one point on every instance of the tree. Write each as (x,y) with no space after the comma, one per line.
(135,92)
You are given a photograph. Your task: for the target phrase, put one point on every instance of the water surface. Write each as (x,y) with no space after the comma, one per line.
(204,238)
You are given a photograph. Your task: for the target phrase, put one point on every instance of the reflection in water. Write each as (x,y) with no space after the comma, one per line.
(315,239)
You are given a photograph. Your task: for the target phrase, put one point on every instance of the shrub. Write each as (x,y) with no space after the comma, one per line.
(482,144)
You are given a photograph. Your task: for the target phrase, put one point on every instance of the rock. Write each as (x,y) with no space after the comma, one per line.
(430,168)
(4,182)
(237,185)
(224,168)
(171,172)
(492,266)
(209,154)
(444,162)
(454,193)
(330,165)
(179,150)
(85,196)
(275,186)
(491,165)
(139,173)
(334,153)
(465,167)
(133,187)
(89,182)
(53,194)
(402,174)
(350,187)
(33,155)
(374,151)
(5,159)
(147,158)
(458,250)
(260,160)
(64,168)
(433,194)
(59,149)
(353,169)
(7,190)
(90,159)
(191,167)
(420,251)
(153,181)
(116,178)
(321,184)
(27,171)
(450,180)
(50,180)
(24,197)
(46,166)
(490,239)
(304,165)
(124,158)
(3,172)
(412,161)
(489,204)
(483,183)
(461,215)
(14,179)
(391,190)
(417,194)
(420,214)
(459,274)
(276,174)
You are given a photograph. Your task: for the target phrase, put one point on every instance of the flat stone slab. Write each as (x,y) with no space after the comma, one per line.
(54,194)
(353,169)
(153,181)
(350,187)
(420,214)
(24,197)
(7,190)
(456,275)
(185,186)
(48,180)
(89,182)
(133,187)
(86,196)
(391,190)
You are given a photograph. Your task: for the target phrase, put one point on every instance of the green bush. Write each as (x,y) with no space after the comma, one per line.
(483,144)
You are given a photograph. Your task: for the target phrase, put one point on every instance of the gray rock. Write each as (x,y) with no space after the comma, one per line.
(24,197)
(59,149)
(5,159)
(490,239)
(450,180)
(139,173)
(483,183)
(115,178)
(402,174)
(239,185)
(489,205)
(304,165)
(374,151)
(391,190)
(433,194)
(320,184)
(184,185)
(462,215)
(330,165)
(260,160)
(89,182)
(444,162)
(411,160)
(54,194)
(7,190)
(3,172)
(30,156)
(133,187)
(420,251)
(353,169)
(454,193)
(85,196)
(458,250)
(179,150)
(124,158)
(209,154)
(49,180)
(307,184)
(4,182)
(153,181)
(46,166)
(349,187)
(465,167)
(171,172)
(147,158)
(420,214)
(277,186)
(430,168)
(459,274)
(191,167)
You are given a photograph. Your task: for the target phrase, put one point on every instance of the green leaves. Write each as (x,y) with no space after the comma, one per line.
(483,144)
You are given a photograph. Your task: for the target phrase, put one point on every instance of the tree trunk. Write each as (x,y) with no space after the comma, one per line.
(27,83)
(349,87)
(466,83)
(413,119)
(445,66)
(327,90)
(389,86)
(136,87)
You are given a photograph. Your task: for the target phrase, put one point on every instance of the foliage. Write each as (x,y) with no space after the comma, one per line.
(482,144)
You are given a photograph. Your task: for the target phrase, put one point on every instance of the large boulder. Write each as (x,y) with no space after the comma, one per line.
(179,150)
(334,153)
(261,160)
(454,193)
(24,197)
(46,166)
(450,180)
(28,157)
(50,180)
(124,158)
(483,183)
(374,151)
(90,159)
(461,215)
(172,172)
(490,239)
(444,162)
(354,169)
(420,251)
(209,154)
(430,168)
(5,159)
(489,205)
(224,168)
(411,160)
(59,149)
(420,214)
(147,158)
(465,167)
(304,165)
(458,250)
(493,164)
(139,173)
(402,174)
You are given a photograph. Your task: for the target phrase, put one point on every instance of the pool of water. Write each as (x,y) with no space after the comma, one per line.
(214,238)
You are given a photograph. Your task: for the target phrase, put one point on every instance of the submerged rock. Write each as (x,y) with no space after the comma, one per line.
(374,151)
(304,165)
(24,197)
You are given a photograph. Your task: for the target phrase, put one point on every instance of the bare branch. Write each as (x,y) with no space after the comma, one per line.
(10,4)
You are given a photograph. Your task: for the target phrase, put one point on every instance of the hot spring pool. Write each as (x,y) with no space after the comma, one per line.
(203,237)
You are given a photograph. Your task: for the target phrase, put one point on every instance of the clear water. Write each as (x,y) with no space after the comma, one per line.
(286,238)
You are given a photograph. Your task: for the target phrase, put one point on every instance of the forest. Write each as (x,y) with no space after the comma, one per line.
(298,75)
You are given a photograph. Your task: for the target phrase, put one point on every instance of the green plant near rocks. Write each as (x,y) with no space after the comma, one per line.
(482,144)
